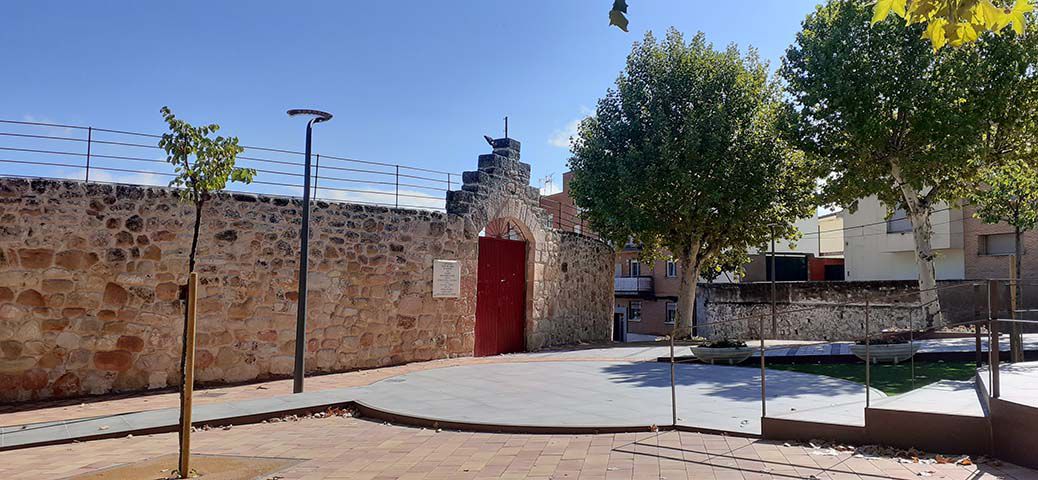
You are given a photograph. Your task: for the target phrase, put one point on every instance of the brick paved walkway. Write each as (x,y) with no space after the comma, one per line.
(348,448)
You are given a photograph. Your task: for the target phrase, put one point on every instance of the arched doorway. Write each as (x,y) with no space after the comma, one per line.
(501,289)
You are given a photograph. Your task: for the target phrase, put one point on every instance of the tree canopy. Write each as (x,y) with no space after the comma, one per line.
(886,116)
(684,155)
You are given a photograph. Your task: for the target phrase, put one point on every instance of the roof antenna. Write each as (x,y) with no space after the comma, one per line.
(506,126)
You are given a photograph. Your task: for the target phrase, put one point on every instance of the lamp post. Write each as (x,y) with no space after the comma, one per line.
(304,248)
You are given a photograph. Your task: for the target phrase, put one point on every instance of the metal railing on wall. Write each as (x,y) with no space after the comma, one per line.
(982,317)
(91,154)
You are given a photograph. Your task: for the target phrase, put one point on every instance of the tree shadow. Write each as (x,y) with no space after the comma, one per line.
(734,383)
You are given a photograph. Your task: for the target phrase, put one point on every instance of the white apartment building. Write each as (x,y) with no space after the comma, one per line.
(879,249)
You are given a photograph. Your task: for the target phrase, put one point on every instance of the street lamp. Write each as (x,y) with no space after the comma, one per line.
(304,247)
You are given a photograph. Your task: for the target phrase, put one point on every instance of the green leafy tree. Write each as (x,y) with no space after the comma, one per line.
(1009,194)
(888,117)
(684,155)
(203,165)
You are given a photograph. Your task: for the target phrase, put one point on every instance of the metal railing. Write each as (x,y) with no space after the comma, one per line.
(91,154)
(984,321)
(632,285)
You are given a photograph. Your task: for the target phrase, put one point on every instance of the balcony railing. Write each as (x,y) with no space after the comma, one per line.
(632,285)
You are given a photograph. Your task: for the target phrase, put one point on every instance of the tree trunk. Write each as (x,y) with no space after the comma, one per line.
(919,213)
(1016,336)
(687,293)
(183,337)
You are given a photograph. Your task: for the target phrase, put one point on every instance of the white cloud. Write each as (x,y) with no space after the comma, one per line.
(561,138)
(130,178)
(436,200)
(549,187)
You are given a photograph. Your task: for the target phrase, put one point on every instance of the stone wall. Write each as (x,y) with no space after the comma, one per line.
(826,310)
(90,273)
(580,297)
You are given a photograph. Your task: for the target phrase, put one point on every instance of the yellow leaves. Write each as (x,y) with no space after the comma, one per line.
(884,7)
(955,22)
(1016,15)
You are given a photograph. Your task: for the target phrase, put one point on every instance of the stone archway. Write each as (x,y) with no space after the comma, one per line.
(498,200)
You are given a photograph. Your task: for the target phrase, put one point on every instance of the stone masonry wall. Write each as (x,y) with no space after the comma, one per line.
(581,297)
(826,310)
(89,279)
(89,276)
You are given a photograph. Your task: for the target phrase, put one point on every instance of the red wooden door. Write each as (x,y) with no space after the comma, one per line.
(500,297)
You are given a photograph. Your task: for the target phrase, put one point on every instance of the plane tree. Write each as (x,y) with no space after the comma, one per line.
(684,155)
(886,116)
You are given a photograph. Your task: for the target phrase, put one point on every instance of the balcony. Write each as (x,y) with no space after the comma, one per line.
(633,286)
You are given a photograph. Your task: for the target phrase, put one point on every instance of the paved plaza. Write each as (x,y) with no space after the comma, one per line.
(607,394)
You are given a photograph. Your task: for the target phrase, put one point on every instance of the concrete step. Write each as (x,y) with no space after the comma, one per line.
(947,416)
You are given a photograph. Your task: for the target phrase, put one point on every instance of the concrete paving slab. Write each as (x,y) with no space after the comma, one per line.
(604,394)
(1018,382)
(945,397)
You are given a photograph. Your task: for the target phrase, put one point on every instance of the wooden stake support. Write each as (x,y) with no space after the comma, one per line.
(189,377)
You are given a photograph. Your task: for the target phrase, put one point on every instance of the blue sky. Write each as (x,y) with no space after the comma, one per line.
(410,82)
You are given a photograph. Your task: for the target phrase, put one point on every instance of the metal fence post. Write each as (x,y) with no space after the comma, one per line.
(976,326)
(868,358)
(911,344)
(90,139)
(397,186)
(993,347)
(763,378)
(317,171)
(448,182)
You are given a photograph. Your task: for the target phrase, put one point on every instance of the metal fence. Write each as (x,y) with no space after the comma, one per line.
(91,154)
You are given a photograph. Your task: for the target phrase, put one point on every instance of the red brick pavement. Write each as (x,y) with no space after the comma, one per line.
(349,448)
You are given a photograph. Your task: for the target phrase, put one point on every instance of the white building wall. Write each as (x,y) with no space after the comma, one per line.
(871,253)
(830,235)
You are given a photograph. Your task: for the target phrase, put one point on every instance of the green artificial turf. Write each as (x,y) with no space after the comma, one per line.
(891,379)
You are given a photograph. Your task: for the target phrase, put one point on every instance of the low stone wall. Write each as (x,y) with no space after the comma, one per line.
(90,275)
(826,310)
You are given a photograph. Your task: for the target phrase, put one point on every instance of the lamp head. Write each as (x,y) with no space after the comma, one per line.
(321,116)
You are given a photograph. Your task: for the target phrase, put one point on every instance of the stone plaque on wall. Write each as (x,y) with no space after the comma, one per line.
(446,279)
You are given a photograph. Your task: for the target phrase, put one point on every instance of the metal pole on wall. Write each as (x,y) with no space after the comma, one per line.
(304,251)
(189,378)
(317,171)
(90,139)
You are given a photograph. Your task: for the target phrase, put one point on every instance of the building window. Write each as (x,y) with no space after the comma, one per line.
(577,229)
(672,313)
(635,313)
(636,268)
(899,222)
(998,244)
(619,270)
(672,269)
(551,221)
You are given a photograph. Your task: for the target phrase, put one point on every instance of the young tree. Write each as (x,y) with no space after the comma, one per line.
(684,154)
(203,165)
(890,118)
(1009,194)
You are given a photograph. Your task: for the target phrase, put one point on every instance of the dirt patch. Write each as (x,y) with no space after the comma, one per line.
(208,467)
